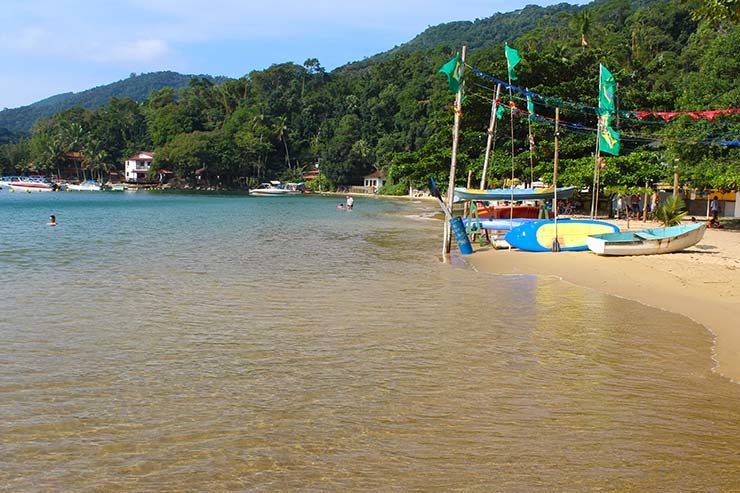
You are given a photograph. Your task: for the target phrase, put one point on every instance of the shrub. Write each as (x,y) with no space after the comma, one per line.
(671,212)
(397,189)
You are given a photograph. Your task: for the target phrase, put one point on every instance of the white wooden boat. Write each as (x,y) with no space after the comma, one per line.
(516,194)
(647,241)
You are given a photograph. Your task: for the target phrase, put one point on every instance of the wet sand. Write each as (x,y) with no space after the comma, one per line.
(702,282)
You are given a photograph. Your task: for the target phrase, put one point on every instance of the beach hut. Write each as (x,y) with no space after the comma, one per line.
(374,181)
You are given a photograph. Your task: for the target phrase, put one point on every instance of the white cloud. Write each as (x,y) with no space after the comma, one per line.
(143,50)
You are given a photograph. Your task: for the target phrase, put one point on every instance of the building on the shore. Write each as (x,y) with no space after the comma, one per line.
(374,181)
(311,174)
(136,167)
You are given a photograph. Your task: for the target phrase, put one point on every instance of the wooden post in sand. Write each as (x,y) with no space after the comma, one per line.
(447,240)
(555,242)
(645,205)
(470,183)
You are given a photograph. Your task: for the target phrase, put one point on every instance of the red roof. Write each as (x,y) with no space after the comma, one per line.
(142,156)
(376,174)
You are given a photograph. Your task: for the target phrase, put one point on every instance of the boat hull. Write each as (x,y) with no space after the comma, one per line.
(499,224)
(648,242)
(273,193)
(30,188)
(84,188)
(572,235)
(462,194)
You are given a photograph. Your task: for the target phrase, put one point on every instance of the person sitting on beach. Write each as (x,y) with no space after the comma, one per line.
(52,220)
(714,223)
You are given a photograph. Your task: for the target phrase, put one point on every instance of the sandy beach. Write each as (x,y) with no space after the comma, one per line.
(702,282)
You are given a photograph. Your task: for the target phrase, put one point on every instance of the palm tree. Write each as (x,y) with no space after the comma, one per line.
(95,157)
(69,139)
(281,129)
(582,22)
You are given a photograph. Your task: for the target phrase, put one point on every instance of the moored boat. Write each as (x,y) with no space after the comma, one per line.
(648,241)
(276,188)
(85,186)
(31,184)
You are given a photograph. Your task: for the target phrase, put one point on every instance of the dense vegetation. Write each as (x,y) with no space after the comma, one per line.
(136,87)
(394,112)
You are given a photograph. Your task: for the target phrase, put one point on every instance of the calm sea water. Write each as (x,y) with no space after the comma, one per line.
(173,342)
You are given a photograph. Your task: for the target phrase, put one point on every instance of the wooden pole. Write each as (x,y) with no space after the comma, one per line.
(645,204)
(466,209)
(531,147)
(490,144)
(675,184)
(447,240)
(511,183)
(555,242)
(595,192)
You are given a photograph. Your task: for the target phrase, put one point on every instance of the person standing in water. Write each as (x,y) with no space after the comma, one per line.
(350,201)
(52,220)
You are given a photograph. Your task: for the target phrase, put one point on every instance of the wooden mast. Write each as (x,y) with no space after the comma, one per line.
(555,242)
(490,144)
(447,240)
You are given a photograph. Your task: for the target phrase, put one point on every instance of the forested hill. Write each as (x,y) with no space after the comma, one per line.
(489,31)
(136,87)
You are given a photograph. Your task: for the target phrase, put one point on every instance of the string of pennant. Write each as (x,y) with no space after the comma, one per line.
(550,101)
(580,128)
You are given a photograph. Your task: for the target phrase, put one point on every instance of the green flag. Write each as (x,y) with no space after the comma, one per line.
(512,59)
(609,140)
(500,111)
(452,70)
(530,106)
(607,90)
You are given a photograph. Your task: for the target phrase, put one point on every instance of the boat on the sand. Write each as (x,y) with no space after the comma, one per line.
(572,234)
(514,194)
(648,241)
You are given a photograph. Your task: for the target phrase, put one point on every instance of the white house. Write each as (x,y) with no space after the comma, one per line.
(374,181)
(137,166)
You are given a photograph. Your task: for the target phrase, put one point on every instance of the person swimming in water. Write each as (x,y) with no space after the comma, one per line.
(52,220)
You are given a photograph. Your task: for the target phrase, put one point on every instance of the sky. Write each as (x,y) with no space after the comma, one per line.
(49,47)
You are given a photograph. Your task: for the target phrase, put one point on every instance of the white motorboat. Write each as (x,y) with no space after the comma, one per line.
(276,188)
(85,186)
(31,184)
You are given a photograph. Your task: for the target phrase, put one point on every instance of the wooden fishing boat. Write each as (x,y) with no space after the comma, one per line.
(648,241)
(572,234)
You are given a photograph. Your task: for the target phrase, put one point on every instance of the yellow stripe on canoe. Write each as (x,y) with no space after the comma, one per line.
(570,234)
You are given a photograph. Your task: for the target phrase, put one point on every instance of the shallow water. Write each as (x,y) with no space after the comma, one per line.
(220,342)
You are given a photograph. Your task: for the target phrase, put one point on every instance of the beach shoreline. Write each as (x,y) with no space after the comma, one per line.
(701,283)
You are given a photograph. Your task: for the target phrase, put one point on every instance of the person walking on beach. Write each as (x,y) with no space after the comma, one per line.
(350,201)
(714,209)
